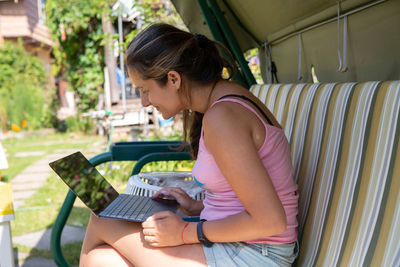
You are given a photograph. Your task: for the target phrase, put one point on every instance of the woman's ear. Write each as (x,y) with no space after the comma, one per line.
(174,79)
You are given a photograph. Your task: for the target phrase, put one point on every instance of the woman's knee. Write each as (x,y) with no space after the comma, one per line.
(97,222)
(93,218)
(104,256)
(109,231)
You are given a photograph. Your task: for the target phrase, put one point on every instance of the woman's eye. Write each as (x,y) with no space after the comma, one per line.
(143,91)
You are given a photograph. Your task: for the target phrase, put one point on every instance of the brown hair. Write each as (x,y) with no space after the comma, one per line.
(161,48)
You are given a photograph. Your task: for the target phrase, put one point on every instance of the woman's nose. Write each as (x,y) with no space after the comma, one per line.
(145,101)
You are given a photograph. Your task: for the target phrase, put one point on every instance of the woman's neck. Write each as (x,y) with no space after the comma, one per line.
(202,96)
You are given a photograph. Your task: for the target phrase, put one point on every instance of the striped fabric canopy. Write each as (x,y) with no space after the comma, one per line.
(345,148)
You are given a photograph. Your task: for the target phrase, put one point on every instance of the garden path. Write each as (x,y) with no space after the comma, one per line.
(24,185)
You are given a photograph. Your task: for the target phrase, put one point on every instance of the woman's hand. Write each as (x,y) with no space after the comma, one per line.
(187,204)
(163,229)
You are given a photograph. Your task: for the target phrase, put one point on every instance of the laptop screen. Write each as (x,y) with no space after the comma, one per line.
(85,181)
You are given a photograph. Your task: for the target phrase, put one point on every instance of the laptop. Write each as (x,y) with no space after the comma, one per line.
(100,197)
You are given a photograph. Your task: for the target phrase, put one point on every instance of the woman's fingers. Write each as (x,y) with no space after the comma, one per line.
(178,194)
(163,229)
(159,193)
(160,215)
(150,239)
(154,220)
(170,191)
(147,232)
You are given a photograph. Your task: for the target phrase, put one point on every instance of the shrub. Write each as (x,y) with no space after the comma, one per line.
(22,87)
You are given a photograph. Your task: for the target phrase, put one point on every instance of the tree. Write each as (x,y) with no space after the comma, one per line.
(77,28)
(154,11)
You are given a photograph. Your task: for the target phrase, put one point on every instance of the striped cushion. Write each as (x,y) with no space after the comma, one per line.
(345,148)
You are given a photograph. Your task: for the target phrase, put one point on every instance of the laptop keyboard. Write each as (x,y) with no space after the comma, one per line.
(129,207)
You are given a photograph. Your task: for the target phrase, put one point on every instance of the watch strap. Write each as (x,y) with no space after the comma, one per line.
(200,235)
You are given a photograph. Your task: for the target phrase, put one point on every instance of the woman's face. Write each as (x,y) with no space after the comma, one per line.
(165,99)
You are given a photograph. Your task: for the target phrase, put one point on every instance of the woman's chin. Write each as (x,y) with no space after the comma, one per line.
(166,117)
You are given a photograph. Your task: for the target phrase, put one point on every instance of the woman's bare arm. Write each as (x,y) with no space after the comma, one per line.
(229,136)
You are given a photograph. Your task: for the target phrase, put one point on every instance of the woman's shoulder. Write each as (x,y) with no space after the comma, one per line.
(226,114)
(225,117)
(219,115)
(220,111)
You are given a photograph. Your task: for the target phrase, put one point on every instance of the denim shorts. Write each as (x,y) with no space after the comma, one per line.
(250,254)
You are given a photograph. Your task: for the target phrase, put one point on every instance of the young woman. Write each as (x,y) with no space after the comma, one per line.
(243,163)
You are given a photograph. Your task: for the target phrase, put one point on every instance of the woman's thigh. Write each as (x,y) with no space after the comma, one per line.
(105,256)
(127,239)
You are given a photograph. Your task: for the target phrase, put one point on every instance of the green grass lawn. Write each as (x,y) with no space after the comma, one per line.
(40,210)
(46,144)
(45,204)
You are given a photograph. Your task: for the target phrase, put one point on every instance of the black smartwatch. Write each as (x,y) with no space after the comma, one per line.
(200,235)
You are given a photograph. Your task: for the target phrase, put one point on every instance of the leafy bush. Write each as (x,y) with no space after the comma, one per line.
(76,27)
(23,81)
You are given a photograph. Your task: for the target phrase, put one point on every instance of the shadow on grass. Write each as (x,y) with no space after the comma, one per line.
(71,238)
(71,254)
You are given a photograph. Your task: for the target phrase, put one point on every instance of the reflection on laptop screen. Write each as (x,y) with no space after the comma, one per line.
(86,182)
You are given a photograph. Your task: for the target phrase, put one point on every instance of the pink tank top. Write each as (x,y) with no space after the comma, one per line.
(221,201)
